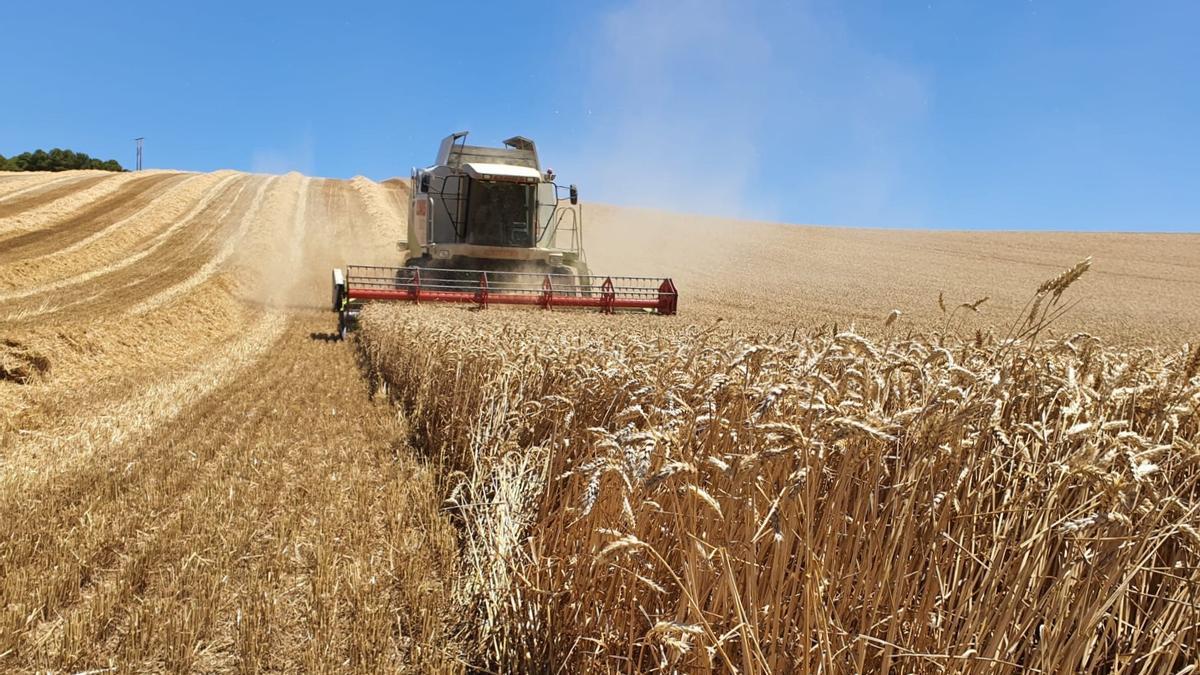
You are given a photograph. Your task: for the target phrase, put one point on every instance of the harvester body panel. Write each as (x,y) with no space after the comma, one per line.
(488,226)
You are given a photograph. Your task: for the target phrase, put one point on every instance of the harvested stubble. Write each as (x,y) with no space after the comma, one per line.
(636,494)
(193,477)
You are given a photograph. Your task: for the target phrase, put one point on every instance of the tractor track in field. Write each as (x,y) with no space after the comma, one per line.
(91,219)
(130,256)
(14,183)
(228,248)
(35,195)
(170,261)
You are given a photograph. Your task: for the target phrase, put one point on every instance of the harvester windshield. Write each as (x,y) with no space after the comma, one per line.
(500,214)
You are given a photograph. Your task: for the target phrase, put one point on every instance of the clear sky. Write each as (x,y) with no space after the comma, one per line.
(946,114)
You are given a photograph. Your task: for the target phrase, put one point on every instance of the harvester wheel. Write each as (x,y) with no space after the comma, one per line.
(342,327)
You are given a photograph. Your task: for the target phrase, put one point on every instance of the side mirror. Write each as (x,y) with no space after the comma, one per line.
(574,195)
(424,183)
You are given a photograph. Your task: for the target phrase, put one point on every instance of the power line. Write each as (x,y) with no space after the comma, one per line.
(139,140)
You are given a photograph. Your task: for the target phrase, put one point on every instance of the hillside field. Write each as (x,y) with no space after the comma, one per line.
(195,475)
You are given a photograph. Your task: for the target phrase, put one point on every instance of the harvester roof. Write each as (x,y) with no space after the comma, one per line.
(518,151)
(488,171)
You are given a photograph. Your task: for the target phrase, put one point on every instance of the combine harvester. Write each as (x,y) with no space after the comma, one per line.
(487,227)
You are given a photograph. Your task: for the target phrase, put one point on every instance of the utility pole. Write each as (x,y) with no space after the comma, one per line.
(139,140)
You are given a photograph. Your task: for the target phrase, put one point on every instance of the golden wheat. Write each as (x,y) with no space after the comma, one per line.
(643,495)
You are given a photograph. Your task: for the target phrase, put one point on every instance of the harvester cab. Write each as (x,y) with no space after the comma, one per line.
(493,209)
(488,226)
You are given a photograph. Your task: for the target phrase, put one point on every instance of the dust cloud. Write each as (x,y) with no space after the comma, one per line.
(309,226)
(701,106)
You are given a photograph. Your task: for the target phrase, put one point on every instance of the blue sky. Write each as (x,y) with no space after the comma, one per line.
(957,115)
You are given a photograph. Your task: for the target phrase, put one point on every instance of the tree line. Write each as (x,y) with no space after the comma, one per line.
(56,160)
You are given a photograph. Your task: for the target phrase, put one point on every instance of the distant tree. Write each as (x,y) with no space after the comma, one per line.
(56,160)
(38,161)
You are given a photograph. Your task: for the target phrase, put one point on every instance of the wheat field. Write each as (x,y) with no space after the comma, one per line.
(853,450)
